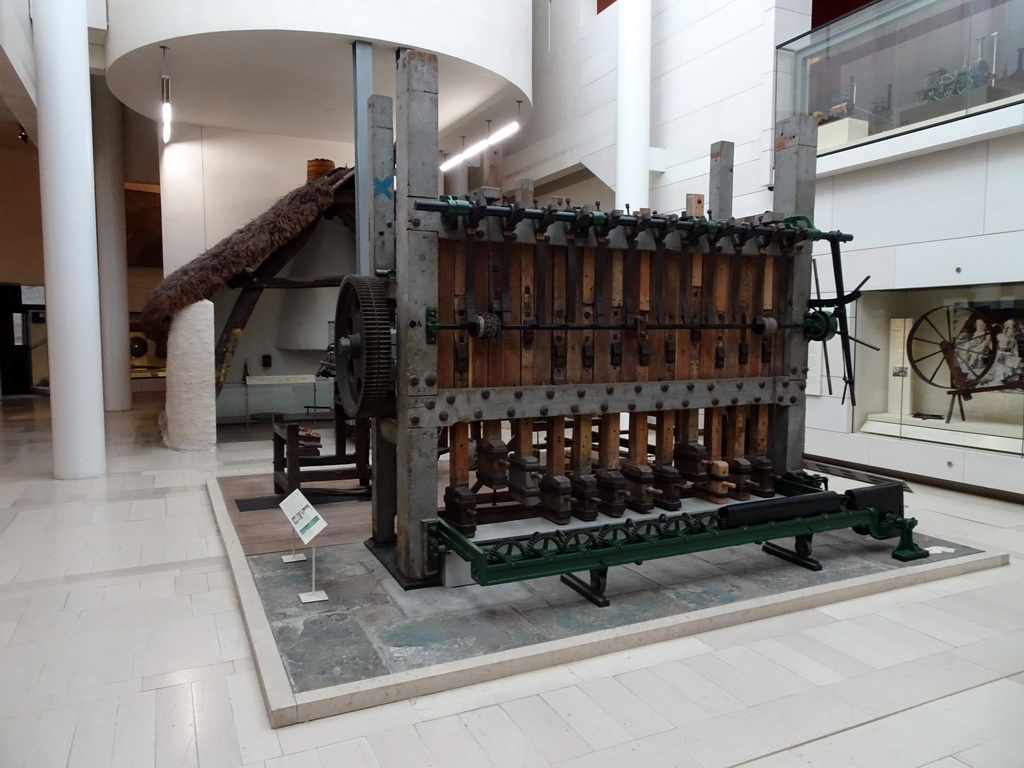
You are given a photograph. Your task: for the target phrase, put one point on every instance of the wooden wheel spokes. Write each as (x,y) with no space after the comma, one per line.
(956,339)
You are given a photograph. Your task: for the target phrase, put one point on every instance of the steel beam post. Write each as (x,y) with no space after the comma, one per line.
(416,268)
(796,156)
(362,88)
(380,133)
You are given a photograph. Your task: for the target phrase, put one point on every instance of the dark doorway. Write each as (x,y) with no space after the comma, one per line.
(15,341)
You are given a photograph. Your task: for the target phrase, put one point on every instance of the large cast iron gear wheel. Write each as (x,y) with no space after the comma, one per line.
(363,362)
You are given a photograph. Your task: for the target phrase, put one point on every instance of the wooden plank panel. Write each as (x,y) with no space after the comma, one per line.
(554,457)
(510,342)
(608,442)
(582,444)
(527,375)
(542,307)
(461,379)
(495,347)
(559,339)
(616,308)
(587,317)
(664,437)
(458,466)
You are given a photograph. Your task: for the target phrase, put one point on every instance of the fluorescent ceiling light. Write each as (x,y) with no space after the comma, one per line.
(480,146)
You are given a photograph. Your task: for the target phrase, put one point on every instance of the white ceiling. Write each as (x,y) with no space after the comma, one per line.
(296,84)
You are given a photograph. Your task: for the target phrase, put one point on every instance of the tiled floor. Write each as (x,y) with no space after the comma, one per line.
(121,645)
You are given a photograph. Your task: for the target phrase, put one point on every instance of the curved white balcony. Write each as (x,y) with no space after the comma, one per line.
(286,67)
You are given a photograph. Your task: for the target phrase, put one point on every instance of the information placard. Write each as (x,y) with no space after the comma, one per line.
(304,518)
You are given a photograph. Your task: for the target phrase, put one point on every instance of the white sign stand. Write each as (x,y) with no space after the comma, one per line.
(307,523)
(314,595)
(294,557)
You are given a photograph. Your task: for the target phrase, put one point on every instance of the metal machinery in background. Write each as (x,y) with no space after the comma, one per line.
(527,330)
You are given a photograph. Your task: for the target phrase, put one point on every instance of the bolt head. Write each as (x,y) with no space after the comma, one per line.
(574,408)
(450,399)
(431,405)
(478,414)
(431,380)
(414,420)
(543,410)
(486,394)
(443,416)
(414,381)
(510,412)
(632,406)
(610,390)
(638,389)
(550,394)
(659,404)
(518,394)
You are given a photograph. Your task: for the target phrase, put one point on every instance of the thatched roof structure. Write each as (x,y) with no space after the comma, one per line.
(243,249)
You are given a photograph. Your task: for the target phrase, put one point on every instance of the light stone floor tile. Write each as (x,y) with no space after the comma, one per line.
(974,607)
(915,682)
(493,692)
(946,762)
(180,644)
(553,736)
(798,663)
(309,759)
(400,748)
(234,643)
(93,743)
(708,697)
(52,737)
(939,624)
(873,657)
(778,760)
(742,634)
(775,677)
(135,733)
(909,739)
(1003,654)
(625,707)
(16,742)
(351,725)
(731,679)
(875,641)
(256,739)
(996,753)
(638,658)
(348,754)
(176,728)
(450,744)
(586,717)
(769,727)
(672,705)
(215,723)
(993,710)
(504,742)
(661,750)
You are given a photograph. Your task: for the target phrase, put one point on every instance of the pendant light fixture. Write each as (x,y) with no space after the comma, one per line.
(165,99)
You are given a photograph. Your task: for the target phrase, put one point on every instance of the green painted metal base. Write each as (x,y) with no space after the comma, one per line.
(635,541)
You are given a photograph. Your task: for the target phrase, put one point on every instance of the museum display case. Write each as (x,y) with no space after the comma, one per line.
(951,367)
(899,65)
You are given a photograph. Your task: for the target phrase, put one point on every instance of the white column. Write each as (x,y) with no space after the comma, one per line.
(69,237)
(191,385)
(191,407)
(110,241)
(633,105)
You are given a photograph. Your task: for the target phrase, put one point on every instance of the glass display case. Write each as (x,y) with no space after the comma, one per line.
(951,369)
(898,65)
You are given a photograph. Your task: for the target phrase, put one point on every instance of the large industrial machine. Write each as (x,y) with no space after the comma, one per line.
(522,337)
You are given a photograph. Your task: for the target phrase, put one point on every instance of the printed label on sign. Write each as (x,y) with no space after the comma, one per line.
(306,521)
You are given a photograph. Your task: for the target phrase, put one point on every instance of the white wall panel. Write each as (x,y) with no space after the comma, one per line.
(929,198)
(926,459)
(1004,210)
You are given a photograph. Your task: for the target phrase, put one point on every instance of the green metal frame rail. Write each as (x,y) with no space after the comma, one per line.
(635,541)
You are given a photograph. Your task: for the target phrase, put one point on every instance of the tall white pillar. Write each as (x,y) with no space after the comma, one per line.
(110,241)
(69,237)
(633,105)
